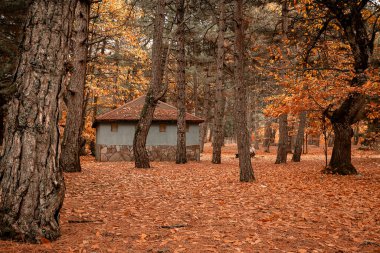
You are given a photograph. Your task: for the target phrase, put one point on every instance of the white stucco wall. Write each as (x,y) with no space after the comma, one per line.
(126,131)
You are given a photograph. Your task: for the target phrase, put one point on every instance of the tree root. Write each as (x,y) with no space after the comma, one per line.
(342,170)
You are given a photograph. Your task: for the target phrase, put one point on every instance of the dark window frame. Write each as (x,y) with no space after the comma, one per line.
(114,127)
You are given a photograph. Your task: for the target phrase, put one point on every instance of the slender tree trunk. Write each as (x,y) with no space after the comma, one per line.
(195,92)
(356,134)
(330,142)
(82,140)
(283,139)
(95,109)
(255,119)
(256,130)
(256,134)
(210,132)
(267,135)
(71,145)
(219,96)
(155,91)
(243,143)
(31,183)
(181,84)
(206,115)
(300,136)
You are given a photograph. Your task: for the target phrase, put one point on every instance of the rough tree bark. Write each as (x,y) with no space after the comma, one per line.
(74,97)
(300,136)
(352,109)
(181,84)
(219,96)
(2,117)
(31,183)
(155,91)
(13,14)
(243,143)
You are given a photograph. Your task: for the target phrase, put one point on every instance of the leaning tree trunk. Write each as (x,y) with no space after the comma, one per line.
(282,150)
(155,91)
(71,145)
(300,136)
(141,134)
(181,84)
(31,183)
(243,143)
(219,97)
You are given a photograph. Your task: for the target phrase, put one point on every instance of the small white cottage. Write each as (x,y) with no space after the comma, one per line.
(115,132)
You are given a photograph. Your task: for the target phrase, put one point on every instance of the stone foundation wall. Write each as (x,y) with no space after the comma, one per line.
(113,153)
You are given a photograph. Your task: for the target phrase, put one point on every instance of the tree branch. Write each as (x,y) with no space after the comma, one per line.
(316,39)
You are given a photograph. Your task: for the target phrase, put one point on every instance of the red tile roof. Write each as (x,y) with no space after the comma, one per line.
(131,112)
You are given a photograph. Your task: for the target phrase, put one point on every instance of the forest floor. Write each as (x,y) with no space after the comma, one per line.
(202,207)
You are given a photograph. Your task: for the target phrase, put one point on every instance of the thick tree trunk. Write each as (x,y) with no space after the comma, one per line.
(300,136)
(243,143)
(351,110)
(342,119)
(155,91)
(340,162)
(71,145)
(181,84)
(283,139)
(354,27)
(267,135)
(31,183)
(219,97)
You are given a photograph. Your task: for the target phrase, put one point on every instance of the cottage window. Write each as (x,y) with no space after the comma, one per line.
(187,128)
(162,127)
(114,127)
